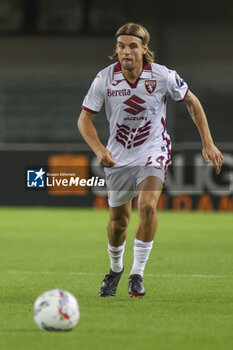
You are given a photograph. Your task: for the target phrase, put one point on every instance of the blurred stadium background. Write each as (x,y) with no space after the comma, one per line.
(50,52)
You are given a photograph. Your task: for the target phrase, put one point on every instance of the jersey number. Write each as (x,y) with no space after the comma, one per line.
(159,161)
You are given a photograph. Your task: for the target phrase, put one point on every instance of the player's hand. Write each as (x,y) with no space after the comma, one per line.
(105,158)
(211,152)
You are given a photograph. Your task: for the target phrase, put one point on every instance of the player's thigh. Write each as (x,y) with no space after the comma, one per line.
(149,192)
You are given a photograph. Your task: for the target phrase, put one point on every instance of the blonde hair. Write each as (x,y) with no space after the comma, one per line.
(140,32)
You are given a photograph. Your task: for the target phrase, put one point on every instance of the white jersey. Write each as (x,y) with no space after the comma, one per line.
(136,112)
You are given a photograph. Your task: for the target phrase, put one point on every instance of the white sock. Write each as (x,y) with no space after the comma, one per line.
(116,257)
(141,255)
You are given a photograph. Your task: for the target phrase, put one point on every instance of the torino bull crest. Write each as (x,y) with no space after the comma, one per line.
(150,86)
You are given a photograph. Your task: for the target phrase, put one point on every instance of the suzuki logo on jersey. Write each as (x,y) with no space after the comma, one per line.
(150,86)
(134,104)
(130,138)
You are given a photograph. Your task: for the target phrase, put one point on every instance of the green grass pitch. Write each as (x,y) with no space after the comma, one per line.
(188,279)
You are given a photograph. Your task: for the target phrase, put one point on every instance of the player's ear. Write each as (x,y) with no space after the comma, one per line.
(145,49)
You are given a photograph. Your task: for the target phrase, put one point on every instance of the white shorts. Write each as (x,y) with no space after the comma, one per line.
(122,182)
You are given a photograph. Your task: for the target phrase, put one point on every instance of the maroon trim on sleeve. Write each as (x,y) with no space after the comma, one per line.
(184,96)
(88,109)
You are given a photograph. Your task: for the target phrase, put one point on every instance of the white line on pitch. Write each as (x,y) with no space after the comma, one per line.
(186,275)
(166,275)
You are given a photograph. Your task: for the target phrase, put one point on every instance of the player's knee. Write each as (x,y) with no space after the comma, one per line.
(147,209)
(119,225)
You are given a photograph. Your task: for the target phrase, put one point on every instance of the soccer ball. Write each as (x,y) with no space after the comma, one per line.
(56,310)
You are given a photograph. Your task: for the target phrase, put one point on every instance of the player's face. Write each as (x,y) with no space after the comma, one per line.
(130,51)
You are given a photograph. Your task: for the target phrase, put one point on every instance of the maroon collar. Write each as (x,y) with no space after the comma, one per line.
(146,67)
(145,74)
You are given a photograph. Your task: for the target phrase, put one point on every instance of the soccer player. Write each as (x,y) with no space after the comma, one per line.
(134,90)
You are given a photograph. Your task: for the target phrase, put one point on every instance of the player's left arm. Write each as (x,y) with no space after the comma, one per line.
(209,151)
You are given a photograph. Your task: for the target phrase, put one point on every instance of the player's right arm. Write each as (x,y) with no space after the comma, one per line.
(89,133)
